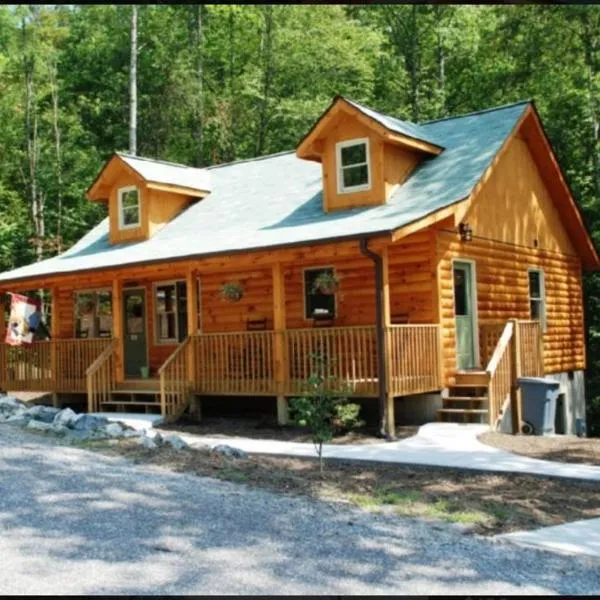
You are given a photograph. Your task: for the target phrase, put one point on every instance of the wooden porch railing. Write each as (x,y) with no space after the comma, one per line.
(174,382)
(519,352)
(532,348)
(57,365)
(100,378)
(499,370)
(350,354)
(234,363)
(415,359)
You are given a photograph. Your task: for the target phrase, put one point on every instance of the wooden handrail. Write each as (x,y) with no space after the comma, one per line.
(101,358)
(174,383)
(505,338)
(100,377)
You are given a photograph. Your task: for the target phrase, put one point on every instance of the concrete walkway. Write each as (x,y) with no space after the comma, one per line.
(436,444)
(578,537)
(451,445)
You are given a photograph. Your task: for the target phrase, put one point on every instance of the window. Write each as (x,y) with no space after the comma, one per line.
(129,207)
(170,301)
(353,166)
(316,303)
(537,297)
(93,314)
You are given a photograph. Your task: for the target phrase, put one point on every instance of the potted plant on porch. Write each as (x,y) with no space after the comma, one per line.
(232,291)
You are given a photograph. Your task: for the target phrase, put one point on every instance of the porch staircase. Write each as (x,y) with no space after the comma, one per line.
(467,400)
(141,393)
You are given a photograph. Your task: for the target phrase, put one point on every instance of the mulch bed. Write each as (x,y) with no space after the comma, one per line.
(267,429)
(489,504)
(562,448)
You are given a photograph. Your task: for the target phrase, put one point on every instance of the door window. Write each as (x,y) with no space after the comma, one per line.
(134,312)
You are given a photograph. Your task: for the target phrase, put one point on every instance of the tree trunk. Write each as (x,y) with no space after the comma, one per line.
(267,60)
(133,84)
(199,51)
(232,123)
(36,198)
(58,150)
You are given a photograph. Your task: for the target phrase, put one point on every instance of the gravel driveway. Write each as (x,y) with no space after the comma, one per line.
(76,522)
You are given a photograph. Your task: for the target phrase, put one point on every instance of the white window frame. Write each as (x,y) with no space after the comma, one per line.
(339,167)
(541,299)
(120,193)
(157,340)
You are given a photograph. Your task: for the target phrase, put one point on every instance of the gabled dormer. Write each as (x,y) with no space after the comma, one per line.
(364,155)
(143,195)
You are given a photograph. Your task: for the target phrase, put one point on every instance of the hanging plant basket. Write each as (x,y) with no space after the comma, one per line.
(326,283)
(232,291)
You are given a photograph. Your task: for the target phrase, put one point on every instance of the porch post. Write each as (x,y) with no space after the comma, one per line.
(117,317)
(387,321)
(2,342)
(54,330)
(515,369)
(279,346)
(192,328)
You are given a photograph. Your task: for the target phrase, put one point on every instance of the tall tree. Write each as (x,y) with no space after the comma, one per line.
(133,82)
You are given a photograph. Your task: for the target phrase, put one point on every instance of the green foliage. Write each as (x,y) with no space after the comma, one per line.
(323,407)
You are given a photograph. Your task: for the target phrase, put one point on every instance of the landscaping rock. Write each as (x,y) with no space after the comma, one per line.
(131,433)
(65,417)
(10,403)
(114,430)
(175,442)
(147,442)
(230,451)
(201,447)
(60,430)
(18,420)
(157,438)
(39,426)
(45,414)
(88,422)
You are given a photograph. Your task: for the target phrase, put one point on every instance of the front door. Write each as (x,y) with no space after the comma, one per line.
(464,313)
(134,326)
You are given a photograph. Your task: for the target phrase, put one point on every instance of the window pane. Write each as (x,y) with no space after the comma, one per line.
(355,176)
(460,293)
(315,301)
(352,155)
(129,199)
(85,303)
(535,284)
(536,309)
(165,298)
(131,216)
(166,326)
(104,303)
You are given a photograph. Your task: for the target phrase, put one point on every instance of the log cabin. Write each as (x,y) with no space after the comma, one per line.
(433,264)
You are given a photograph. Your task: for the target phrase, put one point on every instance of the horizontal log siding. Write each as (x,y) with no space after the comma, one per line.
(503,293)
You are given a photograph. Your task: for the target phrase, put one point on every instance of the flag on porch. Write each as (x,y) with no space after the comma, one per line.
(25,317)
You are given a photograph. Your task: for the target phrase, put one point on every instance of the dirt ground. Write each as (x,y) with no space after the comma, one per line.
(267,429)
(563,448)
(486,504)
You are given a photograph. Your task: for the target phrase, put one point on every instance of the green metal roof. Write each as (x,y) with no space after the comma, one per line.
(276,201)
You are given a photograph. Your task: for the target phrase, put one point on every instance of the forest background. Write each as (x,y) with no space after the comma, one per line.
(216,83)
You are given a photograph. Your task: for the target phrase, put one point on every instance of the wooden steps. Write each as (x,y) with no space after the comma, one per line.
(138,393)
(467,400)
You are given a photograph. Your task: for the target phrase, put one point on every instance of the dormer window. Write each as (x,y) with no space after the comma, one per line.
(353,166)
(129,207)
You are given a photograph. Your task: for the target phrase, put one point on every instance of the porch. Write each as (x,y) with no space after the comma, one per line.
(248,363)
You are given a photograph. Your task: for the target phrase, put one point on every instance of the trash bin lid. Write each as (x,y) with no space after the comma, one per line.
(539,380)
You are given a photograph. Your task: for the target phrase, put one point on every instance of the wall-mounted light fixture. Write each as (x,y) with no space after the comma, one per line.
(466,233)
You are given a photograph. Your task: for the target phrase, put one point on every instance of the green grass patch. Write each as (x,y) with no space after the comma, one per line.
(414,503)
(234,475)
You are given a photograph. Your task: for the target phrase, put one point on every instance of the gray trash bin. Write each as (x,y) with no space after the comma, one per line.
(539,396)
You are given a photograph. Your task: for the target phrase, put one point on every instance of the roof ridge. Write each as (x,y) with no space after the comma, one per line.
(156,160)
(478,112)
(255,158)
(385,114)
